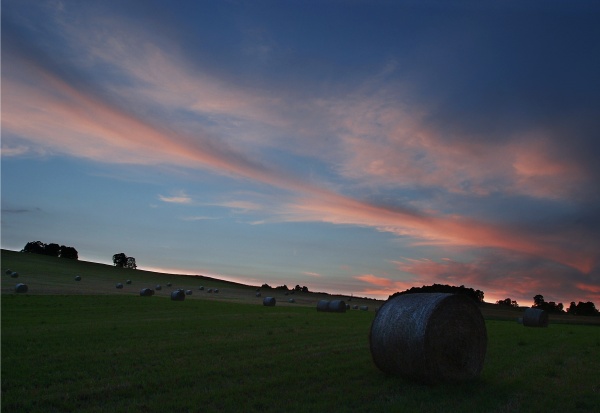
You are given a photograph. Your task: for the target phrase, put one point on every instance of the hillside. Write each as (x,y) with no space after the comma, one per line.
(52,275)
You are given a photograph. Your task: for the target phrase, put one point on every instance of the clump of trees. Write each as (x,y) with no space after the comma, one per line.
(507,302)
(475,295)
(550,307)
(583,308)
(53,250)
(284,287)
(123,261)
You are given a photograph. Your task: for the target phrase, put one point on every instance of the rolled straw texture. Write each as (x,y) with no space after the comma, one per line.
(429,338)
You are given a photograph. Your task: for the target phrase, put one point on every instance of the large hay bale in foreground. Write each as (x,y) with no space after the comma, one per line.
(178,295)
(146,292)
(534,317)
(269,301)
(429,337)
(21,288)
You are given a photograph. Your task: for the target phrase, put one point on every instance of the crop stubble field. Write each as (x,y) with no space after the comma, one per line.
(81,346)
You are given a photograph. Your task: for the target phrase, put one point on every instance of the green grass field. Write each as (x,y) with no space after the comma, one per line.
(66,348)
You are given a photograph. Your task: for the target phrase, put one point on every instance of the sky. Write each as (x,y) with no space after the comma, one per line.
(354,147)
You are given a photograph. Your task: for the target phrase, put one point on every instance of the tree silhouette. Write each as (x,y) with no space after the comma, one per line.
(123,261)
(120,260)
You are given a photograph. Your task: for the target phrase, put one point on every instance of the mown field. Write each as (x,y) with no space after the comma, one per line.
(114,351)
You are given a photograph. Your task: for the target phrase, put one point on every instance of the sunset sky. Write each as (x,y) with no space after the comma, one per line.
(356,147)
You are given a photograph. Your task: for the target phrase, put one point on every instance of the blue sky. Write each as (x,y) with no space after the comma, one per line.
(349,146)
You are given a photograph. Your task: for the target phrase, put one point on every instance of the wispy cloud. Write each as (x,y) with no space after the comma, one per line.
(180,198)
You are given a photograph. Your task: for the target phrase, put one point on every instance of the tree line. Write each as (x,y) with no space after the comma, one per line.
(581,308)
(475,295)
(53,250)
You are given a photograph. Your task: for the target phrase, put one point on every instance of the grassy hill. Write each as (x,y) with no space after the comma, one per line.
(52,275)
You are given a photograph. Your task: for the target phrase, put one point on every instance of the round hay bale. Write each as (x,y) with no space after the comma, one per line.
(355,307)
(14,274)
(364,308)
(146,292)
(347,306)
(128,282)
(337,306)
(534,317)
(8,272)
(323,305)
(269,301)
(78,278)
(178,295)
(158,287)
(209,290)
(258,294)
(216,291)
(291,300)
(169,284)
(21,288)
(201,288)
(119,285)
(429,337)
(188,292)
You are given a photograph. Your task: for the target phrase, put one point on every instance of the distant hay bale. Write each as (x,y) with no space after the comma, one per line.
(534,317)
(178,295)
(119,285)
(258,294)
(334,306)
(14,274)
(355,307)
(291,300)
(78,278)
(169,284)
(158,287)
(201,288)
(364,308)
(337,306)
(269,301)
(323,305)
(8,272)
(430,338)
(188,292)
(21,288)
(347,306)
(128,282)
(146,292)
(209,290)
(216,291)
